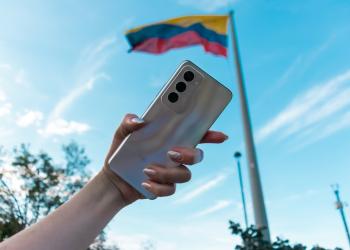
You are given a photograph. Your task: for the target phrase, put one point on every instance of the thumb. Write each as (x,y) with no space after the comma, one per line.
(130,123)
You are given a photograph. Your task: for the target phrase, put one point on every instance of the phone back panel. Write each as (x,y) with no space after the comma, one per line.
(168,124)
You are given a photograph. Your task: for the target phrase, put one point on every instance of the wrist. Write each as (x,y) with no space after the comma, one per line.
(128,193)
(112,195)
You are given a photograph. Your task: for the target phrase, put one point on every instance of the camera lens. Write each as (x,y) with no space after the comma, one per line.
(188,76)
(181,86)
(173,97)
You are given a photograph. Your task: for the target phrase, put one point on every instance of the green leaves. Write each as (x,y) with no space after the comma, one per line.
(252,240)
(32,185)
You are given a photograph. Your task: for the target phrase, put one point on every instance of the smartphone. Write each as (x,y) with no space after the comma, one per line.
(180,115)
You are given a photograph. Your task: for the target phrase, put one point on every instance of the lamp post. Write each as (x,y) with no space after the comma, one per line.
(339,205)
(237,156)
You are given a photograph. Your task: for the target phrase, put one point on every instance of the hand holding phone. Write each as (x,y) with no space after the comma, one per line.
(163,175)
(150,158)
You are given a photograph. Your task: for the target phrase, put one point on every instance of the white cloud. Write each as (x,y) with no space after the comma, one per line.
(63,127)
(92,59)
(30,117)
(343,122)
(94,50)
(334,104)
(202,188)
(219,205)
(320,132)
(207,5)
(5,109)
(74,94)
(297,67)
(312,106)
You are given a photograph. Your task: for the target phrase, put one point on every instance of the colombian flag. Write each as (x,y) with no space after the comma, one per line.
(208,31)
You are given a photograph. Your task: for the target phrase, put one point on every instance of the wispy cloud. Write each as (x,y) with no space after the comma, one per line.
(313,135)
(201,189)
(29,117)
(90,65)
(74,94)
(311,107)
(297,67)
(207,5)
(289,71)
(303,61)
(219,205)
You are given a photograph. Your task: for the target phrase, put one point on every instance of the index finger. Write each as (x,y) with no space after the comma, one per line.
(214,137)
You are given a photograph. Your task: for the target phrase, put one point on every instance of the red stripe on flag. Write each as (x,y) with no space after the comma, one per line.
(158,46)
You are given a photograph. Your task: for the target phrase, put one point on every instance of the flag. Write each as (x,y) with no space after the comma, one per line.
(210,31)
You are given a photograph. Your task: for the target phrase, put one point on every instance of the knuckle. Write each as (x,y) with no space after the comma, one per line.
(162,175)
(165,190)
(156,191)
(162,178)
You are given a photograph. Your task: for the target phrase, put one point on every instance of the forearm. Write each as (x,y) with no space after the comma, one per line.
(75,224)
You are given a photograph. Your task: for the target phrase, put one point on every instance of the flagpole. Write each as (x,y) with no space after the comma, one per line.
(255,183)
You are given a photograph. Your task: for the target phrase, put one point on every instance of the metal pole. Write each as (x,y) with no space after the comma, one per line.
(340,206)
(238,156)
(255,183)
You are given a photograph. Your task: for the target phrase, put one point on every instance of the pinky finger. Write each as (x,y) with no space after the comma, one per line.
(158,189)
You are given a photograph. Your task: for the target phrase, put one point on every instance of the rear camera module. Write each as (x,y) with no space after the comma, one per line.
(181,86)
(188,76)
(173,97)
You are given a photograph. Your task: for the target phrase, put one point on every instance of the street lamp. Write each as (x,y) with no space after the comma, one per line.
(339,205)
(237,156)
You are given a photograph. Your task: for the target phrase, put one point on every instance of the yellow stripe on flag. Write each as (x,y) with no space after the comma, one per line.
(216,23)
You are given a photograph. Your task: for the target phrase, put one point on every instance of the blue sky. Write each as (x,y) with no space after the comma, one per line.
(65,74)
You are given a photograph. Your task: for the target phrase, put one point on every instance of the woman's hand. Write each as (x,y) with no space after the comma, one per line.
(162,181)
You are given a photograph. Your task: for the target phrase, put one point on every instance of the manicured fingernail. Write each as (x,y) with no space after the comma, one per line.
(174,155)
(199,156)
(146,185)
(150,172)
(137,120)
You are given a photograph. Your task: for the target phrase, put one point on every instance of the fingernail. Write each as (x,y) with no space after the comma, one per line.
(174,155)
(199,156)
(150,172)
(137,120)
(146,185)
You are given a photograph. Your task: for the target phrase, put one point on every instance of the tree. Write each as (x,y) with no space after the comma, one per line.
(252,239)
(32,185)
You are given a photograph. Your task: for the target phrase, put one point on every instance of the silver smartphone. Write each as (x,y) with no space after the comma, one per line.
(184,109)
